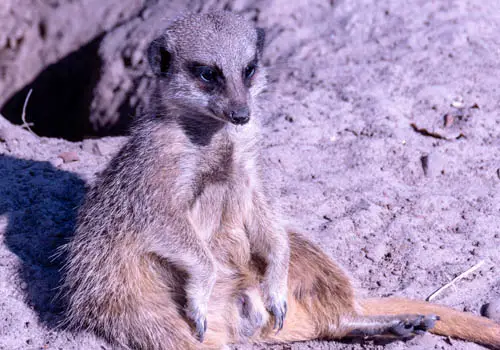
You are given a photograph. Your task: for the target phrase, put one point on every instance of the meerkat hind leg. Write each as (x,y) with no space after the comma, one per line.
(323,305)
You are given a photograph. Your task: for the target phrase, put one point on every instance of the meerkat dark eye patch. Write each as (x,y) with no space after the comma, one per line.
(206,74)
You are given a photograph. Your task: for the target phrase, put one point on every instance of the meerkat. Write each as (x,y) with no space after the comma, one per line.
(178,245)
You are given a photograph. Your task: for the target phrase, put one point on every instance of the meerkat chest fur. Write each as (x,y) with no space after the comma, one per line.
(226,178)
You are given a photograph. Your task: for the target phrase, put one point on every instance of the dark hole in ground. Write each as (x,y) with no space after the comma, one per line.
(60,103)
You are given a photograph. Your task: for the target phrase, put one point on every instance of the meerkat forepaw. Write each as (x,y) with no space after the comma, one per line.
(253,312)
(199,320)
(279,313)
(276,302)
(278,307)
(201,328)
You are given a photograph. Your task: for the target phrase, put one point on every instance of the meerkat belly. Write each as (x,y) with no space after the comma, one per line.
(218,216)
(206,213)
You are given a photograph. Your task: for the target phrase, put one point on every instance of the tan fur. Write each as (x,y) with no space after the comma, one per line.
(328,303)
(453,323)
(180,229)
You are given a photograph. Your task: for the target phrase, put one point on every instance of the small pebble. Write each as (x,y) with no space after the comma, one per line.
(425,164)
(458,102)
(92,146)
(69,157)
(3,135)
(492,310)
(448,120)
(432,164)
(56,162)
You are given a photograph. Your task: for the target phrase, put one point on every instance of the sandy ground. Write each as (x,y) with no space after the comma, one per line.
(402,211)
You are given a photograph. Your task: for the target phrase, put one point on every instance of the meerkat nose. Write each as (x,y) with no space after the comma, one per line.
(240,116)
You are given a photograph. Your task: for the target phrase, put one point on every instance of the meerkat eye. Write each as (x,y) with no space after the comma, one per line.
(207,74)
(250,70)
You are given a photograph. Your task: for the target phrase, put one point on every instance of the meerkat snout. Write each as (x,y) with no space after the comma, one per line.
(211,71)
(240,116)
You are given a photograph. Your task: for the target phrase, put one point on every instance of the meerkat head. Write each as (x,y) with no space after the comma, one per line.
(208,66)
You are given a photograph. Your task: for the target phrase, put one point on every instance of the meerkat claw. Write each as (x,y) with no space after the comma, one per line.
(417,324)
(201,328)
(279,314)
(199,321)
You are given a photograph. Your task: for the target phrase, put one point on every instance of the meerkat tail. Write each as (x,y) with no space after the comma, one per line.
(452,323)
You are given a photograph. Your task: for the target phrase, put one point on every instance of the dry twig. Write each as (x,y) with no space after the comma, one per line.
(25,124)
(456,279)
(425,132)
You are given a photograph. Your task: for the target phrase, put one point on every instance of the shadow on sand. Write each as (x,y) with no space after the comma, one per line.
(41,203)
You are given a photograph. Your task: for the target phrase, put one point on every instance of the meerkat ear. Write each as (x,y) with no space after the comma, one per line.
(159,56)
(261,38)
